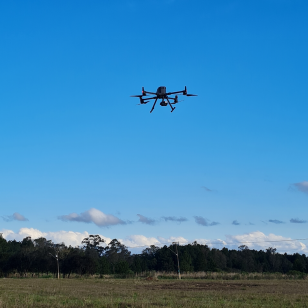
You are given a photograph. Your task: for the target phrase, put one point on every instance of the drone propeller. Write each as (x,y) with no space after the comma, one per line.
(136,95)
(185,93)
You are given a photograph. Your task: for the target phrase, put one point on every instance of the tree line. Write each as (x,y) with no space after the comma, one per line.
(94,256)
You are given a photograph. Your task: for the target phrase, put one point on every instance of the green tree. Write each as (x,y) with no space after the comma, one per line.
(185,262)
(94,242)
(104,266)
(116,252)
(121,267)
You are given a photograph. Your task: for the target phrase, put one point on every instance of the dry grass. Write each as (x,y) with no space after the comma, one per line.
(152,293)
(230,276)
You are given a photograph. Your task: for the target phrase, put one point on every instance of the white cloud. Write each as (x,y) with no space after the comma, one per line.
(75,238)
(68,237)
(139,241)
(257,240)
(93,215)
(218,243)
(8,234)
(34,233)
(262,241)
(72,238)
(171,239)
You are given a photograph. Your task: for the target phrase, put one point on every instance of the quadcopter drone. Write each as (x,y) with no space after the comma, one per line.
(161,94)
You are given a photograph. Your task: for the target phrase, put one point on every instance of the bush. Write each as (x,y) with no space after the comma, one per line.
(297,274)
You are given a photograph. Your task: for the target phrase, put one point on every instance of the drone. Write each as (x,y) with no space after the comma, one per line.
(163,95)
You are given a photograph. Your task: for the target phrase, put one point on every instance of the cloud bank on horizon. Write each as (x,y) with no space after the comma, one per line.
(254,240)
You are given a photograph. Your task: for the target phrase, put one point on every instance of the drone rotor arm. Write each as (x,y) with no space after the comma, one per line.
(154,97)
(178,92)
(147,99)
(144,100)
(146,93)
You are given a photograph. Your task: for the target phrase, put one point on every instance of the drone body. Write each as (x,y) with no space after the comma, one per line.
(163,95)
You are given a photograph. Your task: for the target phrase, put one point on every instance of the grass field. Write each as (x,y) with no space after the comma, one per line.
(122,293)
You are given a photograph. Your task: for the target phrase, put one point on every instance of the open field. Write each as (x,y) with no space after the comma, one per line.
(159,293)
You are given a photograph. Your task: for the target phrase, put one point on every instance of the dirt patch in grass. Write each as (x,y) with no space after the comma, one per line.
(198,286)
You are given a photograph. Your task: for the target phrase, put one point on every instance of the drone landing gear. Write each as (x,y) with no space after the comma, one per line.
(172,108)
(163,103)
(153,106)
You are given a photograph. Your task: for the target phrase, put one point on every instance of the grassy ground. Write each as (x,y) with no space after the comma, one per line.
(161,293)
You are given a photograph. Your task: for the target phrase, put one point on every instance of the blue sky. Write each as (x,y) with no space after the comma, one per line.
(72,139)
